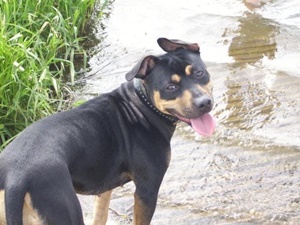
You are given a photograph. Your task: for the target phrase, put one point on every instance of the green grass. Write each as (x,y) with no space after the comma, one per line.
(39,42)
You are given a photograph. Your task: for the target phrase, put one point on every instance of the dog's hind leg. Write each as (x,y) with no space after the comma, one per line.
(60,207)
(30,216)
(14,200)
(101,208)
(55,198)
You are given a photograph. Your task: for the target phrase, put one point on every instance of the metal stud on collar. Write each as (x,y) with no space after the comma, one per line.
(139,91)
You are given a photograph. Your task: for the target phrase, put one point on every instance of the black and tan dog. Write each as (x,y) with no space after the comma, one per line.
(118,137)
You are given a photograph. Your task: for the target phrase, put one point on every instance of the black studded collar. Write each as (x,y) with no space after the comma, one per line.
(141,93)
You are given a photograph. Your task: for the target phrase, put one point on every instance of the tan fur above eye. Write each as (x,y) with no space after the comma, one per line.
(188,70)
(176,78)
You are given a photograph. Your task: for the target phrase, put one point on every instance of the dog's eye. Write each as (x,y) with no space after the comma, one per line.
(199,73)
(171,87)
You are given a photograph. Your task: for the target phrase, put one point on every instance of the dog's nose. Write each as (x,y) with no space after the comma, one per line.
(204,104)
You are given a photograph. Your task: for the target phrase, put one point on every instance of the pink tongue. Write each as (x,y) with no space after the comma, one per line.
(204,125)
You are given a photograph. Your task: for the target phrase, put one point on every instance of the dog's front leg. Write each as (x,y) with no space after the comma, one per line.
(145,196)
(101,206)
(144,207)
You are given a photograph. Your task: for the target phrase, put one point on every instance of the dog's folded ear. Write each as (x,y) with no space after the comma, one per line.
(142,68)
(174,45)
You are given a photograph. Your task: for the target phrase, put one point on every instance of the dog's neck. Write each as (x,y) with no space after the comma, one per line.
(140,91)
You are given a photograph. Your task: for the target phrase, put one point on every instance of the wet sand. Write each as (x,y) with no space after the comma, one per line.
(249,171)
(209,184)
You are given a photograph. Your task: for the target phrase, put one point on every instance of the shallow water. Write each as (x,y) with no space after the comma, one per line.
(249,171)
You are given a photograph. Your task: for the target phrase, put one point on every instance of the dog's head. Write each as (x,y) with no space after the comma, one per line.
(178,84)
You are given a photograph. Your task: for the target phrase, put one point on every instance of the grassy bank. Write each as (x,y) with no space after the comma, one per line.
(39,41)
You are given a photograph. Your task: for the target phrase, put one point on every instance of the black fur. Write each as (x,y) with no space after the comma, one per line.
(102,144)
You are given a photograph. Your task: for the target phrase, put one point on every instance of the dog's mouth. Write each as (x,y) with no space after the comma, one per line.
(204,124)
